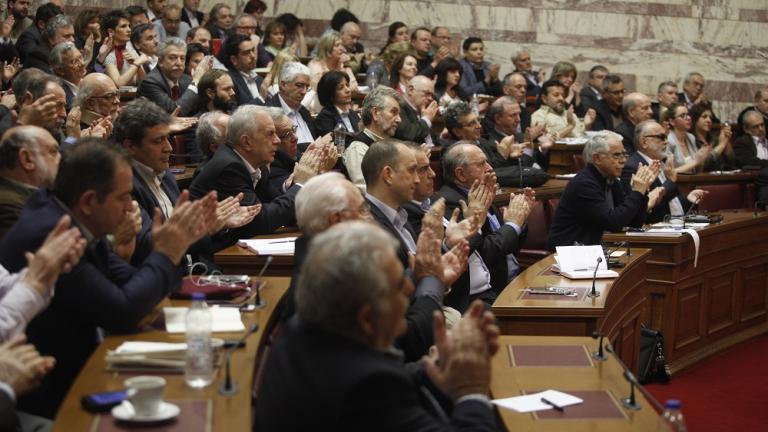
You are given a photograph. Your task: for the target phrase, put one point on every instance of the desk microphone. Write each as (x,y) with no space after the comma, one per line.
(611,251)
(258,302)
(634,383)
(688,212)
(594,293)
(229,387)
(630,402)
(599,354)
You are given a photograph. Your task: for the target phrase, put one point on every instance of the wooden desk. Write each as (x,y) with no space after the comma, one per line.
(239,260)
(553,188)
(508,380)
(561,158)
(184,179)
(705,309)
(617,313)
(230,413)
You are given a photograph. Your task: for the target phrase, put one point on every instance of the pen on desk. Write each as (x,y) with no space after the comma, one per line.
(284,241)
(552,404)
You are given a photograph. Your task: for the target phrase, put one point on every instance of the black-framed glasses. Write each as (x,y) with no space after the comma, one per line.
(660,137)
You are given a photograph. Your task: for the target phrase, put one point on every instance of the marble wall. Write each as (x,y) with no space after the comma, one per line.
(646,42)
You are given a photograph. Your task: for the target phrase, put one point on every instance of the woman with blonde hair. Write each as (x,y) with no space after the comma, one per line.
(331,55)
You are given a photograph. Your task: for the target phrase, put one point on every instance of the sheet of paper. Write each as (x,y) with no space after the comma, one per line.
(130,347)
(580,258)
(532,402)
(224,319)
(276,246)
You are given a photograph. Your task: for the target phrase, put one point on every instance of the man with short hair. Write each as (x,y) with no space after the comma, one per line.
(32,36)
(380,115)
(294,84)
(19,9)
(515,85)
(760,106)
(144,41)
(352,299)
(211,133)
(155,10)
(167,85)
(417,111)
(553,115)
(171,24)
(524,66)
(238,55)
(609,109)
(441,42)
(43,86)
(636,108)
(666,95)
(118,295)
(693,90)
(651,145)
(478,76)
(216,92)
(67,63)
(199,35)
(593,91)
(137,15)
(594,201)
(350,39)
(29,160)
(191,15)
(426,59)
(59,29)
(97,98)
(503,120)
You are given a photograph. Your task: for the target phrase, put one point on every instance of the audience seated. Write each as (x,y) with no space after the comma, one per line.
(144,41)
(636,108)
(167,85)
(67,63)
(608,110)
(350,40)
(210,134)
(294,34)
(426,58)
(57,30)
(19,10)
(593,91)
(751,152)
(447,78)
(294,84)
(479,76)
(397,32)
(524,66)
(335,97)
(155,9)
(50,87)
(565,72)
(215,92)
(761,106)
(137,15)
(514,85)
(331,56)
(98,100)
(191,15)
(238,55)
(403,69)
(32,36)
(503,120)
(682,144)
(120,64)
(721,151)
(666,95)
(555,116)
(171,24)
(219,21)
(417,111)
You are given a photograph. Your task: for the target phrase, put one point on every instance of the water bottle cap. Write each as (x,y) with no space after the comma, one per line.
(198,296)
(673,404)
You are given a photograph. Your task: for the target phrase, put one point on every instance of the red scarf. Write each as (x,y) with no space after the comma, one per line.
(119,56)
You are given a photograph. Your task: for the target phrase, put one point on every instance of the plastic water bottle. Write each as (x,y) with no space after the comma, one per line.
(198,370)
(339,138)
(672,418)
(474,104)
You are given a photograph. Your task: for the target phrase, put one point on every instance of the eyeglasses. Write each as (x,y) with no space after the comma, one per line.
(289,133)
(364,209)
(660,137)
(618,155)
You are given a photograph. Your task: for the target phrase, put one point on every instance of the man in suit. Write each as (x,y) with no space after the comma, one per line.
(350,39)
(238,55)
(761,106)
(524,66)
(59,29)
(503,120)
(240,167)
(693,90)
(155,10)
(19,9)
(171,25)
(32,36)
(593,91)
(294,84)
(608,110)
(167,85)
(37,87)
(22,368)
(191,15)
(514,85)
(67,63)
(144,40)
(29,160)
(751,150)
(417,111)
(666,95)
(352,301)
(210,134)
(381,116)
(594,201)
(118,295)
(466,173)
(636,108)
(98,99)
(651,145)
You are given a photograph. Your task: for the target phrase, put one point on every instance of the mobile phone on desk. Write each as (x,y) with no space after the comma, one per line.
(103,401)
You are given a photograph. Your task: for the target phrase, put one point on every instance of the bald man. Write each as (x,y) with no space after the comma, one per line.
(97,98)
(417,110)
(637,108)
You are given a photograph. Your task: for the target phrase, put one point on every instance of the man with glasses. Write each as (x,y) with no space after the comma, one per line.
(417,111)
(98,99)
(609,112)
(67,63)
(595,202)
(651,146)
(294,84)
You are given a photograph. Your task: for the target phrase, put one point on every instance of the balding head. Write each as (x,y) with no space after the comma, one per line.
(350,35)
(421,91)
(754,124)
(99,94)
(30,155)
(637,107)
(326,200)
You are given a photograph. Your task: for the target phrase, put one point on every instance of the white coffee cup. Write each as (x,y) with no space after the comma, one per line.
(145,394)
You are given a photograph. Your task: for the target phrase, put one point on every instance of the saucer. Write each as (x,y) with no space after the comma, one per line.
(125,412)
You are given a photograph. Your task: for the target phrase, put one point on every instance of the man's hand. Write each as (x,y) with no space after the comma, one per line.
(42,111)
(454,263)
(180,124)
(508,148)
(60,251)
(202,67)
(493,73)
(695,196)
(73,122)
(428,260)
(702,155)
(458,231)
(189,223)
(124,240)
(88,49)
(230,214)
(571,116)
(462,363)
(655,197)
(669,170)
(589,118)
(430,111)
(480,199)
(7,26)
(100,128)
(8,99)
(104,49)
(310,165)
(11,69)
(21,366)
(518,210)
(433,219)
(642,179)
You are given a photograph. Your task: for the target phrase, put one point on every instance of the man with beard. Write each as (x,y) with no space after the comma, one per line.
(381,116)
(167,85)
(238,55)
(19,9)
(67,63)
(29,159)
(553,115)
(216,92)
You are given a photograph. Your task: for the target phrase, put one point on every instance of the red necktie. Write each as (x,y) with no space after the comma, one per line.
(175,93)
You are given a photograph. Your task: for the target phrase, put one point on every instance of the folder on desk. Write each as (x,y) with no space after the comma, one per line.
(274,246)
(152,356)
(578,262)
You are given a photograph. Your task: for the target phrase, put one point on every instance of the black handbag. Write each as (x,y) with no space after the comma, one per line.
(653,365)
(511,176)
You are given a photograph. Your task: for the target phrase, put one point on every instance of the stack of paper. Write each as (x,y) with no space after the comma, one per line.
(225,319)
(533,402)
(150,356)
(275,246)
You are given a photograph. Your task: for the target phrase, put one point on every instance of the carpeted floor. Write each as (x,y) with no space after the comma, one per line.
(727,392)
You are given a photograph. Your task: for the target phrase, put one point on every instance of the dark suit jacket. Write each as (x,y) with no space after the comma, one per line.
(359,389)
(13,196)
(531,87)
(185,17)
(9,419)
(280,169)
(492,246)
(102,291)
(588,97)
(227,174)
(242,92)
(496,161)
(27,41)
(328,118)
(746,152)
(155,88)
(583,213)
(382,221)
(670,189)
(69,96)
(37,57)
(603,120)
(627,131)
(274,101)
(411,128)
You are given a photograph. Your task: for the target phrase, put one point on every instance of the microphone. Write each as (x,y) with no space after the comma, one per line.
(599,354)
(616,263)
(594,293)
(688,212)
(229,387)
(635,384)
(258,302)
(629,402)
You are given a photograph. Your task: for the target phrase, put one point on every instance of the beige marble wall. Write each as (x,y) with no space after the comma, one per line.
(647,42)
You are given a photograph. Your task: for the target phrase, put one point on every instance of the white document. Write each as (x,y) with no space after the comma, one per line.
(532,402)
(224,319)
(134,347)
(578,262)
(275,246)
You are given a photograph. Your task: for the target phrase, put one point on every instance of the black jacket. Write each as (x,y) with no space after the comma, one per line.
(670,189)
(155,88)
